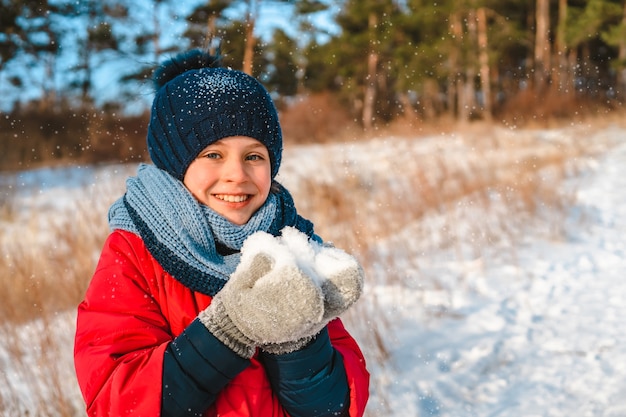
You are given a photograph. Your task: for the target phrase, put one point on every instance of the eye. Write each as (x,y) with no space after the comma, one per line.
(255,157)
(211,155)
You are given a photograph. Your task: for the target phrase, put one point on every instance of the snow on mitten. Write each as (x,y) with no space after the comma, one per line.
(267,300)
(338,274)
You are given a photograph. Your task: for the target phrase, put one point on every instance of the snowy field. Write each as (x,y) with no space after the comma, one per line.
(520,318)
(543,335)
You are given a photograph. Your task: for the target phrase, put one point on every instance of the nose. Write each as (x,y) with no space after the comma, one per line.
(235,170)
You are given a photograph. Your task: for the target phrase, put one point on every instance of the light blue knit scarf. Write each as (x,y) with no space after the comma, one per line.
(183,235)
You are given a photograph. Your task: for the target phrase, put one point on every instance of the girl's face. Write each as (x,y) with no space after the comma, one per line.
(231,176)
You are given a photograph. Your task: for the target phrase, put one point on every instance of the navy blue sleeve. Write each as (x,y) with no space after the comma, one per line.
(311,381)
(196,367)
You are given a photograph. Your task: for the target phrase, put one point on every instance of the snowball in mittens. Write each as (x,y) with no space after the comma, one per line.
(262,242)
(303,249)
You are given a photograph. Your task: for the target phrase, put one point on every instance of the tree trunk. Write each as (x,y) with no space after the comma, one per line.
(248,54)
(454,85)
(86,81)
(468,103)
(572,62)
(485,76)
(542,44)
(370,83)
(156,43)
(211,41)
(560,74)
(621,80)
(407,107)
(49,93)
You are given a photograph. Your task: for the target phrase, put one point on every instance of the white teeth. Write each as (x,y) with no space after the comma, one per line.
(232,198)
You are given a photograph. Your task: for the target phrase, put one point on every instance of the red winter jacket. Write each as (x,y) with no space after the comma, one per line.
(133,309)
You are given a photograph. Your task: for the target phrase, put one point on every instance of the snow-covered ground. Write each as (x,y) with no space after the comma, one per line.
(529,325)
(543,335)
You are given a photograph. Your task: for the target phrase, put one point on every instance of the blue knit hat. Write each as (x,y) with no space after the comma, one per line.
(198,103)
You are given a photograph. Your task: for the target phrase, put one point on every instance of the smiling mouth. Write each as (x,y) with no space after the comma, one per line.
(232,198)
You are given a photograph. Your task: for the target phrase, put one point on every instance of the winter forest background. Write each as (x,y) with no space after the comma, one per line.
(470,152)
(82,68)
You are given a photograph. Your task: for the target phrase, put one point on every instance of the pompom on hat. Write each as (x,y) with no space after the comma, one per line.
(197,103)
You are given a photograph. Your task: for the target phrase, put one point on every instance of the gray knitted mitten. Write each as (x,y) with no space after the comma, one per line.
(267,300)
(338,274)
(343,280)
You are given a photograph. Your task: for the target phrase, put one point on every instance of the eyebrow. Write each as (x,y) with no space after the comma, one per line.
(257,145)
(221,144)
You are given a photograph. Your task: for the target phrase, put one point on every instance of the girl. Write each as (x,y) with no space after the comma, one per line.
(182,318)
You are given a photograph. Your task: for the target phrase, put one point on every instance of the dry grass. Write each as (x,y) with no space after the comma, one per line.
(31,138)
(47,260)
(37,281)
(362,206)
(318,118)
(390,216)
(39,285)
